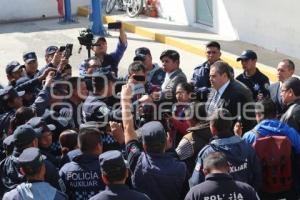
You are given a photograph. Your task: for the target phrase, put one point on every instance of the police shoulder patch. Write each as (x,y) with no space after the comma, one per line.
(267,86)
(104,110)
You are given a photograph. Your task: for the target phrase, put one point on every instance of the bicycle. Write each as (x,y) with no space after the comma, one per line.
(133,7)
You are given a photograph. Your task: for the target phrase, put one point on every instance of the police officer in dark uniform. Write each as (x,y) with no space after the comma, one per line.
(200,77)
(155,74)
(24,136)
(32,165)
(155,173)
(10,100)
(8,145)
(31,64)
(77,94)
(114,174)
(256,81)
(81,178)
(218,183)
(44,132)
(96,108)
(94,105)
(14,71)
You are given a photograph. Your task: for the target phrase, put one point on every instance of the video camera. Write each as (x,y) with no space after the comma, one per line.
(86,39)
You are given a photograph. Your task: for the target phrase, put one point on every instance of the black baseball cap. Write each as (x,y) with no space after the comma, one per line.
(8,144)
(40,126)
(140,53)
(97,39)
(9,93)
(31,160)
(13,66)
(112,163)
(24,135)
(51,50)
(247,55)
(95,111)
(29,56)
(25,79)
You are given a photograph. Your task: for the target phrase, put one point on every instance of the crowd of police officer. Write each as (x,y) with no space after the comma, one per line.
(101,136)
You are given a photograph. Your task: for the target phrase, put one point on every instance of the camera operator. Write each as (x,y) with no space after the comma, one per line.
(99,47)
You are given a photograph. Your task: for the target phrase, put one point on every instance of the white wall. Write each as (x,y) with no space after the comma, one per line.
(177,10)
(268,23)
(272,24)
(28,9)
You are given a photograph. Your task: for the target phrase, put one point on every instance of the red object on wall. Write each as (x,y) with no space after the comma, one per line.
(151,4)
(60,8)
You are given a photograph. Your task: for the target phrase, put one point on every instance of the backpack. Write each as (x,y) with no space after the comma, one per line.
(275,154)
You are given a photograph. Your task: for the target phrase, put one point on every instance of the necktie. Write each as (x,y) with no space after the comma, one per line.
(213,103)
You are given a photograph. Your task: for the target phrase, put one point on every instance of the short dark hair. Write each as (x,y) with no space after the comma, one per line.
(22,115)
(172,54)
(294,84)
(74,82)
(100,81)
(136,66)
(215,160)
(267,107)
(68,140)
(221,121)
(186,86)
(88,139)
(290,63)
(223,67)
(213,44)
(118,176)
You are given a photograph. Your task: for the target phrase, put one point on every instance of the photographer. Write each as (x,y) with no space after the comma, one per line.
(99,47)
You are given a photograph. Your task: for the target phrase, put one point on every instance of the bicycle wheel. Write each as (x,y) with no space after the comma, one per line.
(135,8)
(110,4)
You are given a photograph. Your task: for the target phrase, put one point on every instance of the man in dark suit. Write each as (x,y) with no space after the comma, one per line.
(230,94)
(285,70)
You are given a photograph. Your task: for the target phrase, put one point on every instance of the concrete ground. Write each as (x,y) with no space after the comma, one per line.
(193,39)
(16,38)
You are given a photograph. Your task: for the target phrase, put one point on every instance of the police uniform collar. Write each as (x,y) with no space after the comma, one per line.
(158,155)
(35,181)
(218,176)
(257,72)
(296,101)
(85,157)
(114,187)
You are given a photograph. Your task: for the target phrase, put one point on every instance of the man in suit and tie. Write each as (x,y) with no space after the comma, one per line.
(230,94)
(285,70)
